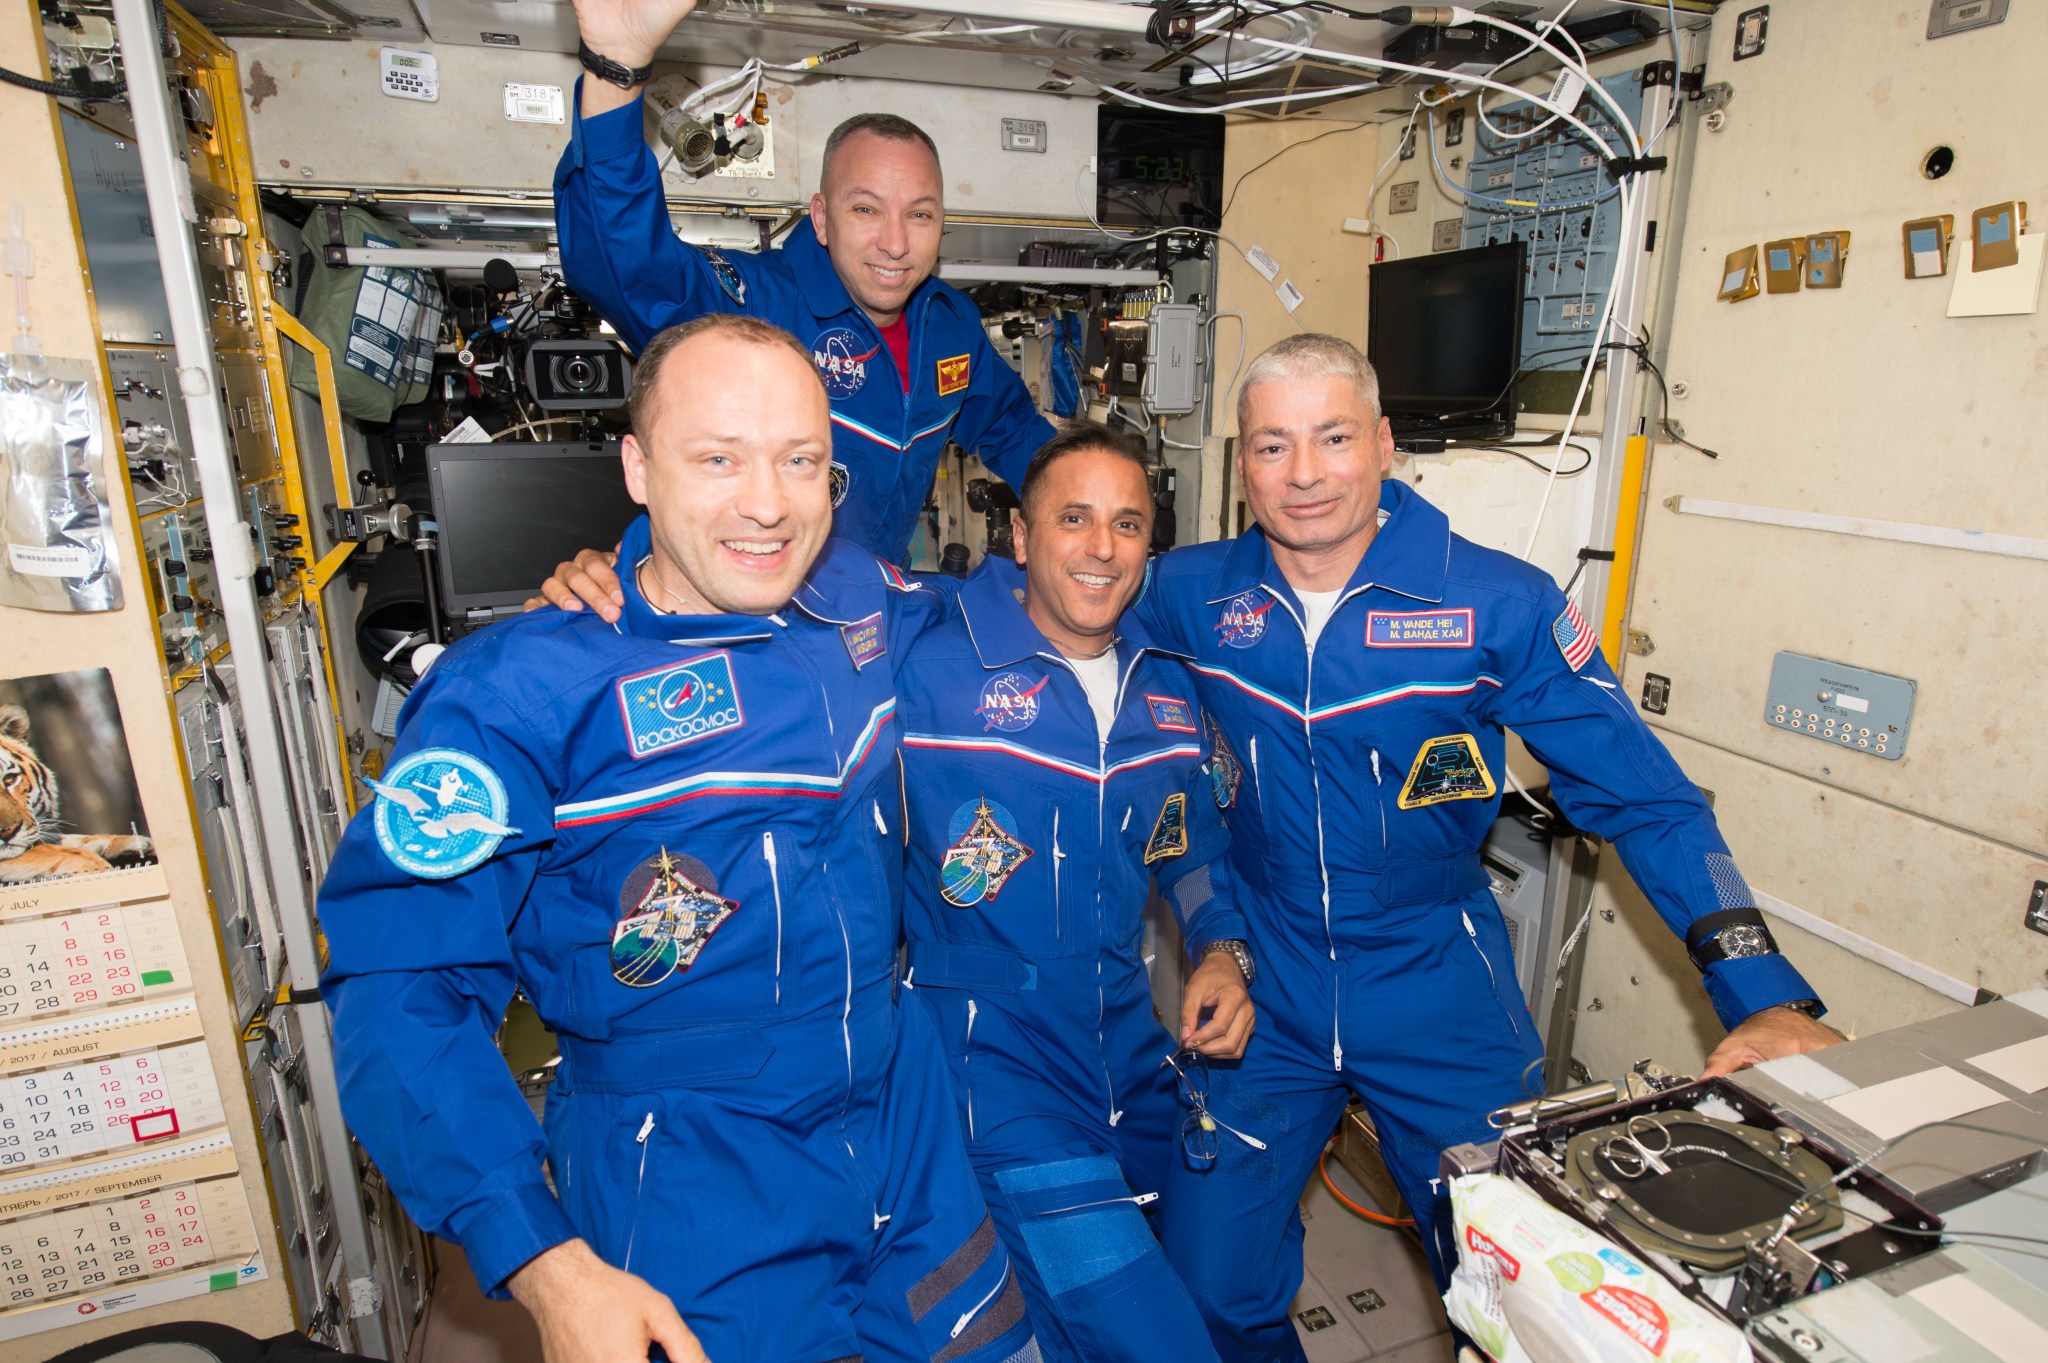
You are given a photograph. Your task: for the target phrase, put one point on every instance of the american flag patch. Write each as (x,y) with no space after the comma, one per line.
(1575,639)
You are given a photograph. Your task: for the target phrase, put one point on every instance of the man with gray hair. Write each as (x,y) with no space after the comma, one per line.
(903,356)
(1363,664)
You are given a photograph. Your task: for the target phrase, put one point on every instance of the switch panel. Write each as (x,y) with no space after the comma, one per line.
(1842,706)
(1547,188)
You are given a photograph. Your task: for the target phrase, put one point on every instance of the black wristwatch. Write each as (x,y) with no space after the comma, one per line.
(1240,952)
(1813,1008)
(605,69)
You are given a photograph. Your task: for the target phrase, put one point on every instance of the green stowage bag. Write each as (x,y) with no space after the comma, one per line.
(380,323)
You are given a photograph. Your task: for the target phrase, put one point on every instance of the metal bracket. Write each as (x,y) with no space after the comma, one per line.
(1641,644)
(1713,101)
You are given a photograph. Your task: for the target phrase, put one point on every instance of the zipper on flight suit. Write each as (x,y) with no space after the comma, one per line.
(775,884)
(1308,738)
(1491,978)
(639,1186)
(1057,857)
(967,1062)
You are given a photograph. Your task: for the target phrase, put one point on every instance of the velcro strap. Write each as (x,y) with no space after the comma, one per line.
(958,966)
(1423,881)
(1700,935)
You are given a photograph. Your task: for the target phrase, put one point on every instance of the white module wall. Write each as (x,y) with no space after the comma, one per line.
(1865,403)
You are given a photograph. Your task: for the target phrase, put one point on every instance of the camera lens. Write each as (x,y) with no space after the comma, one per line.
(579,374)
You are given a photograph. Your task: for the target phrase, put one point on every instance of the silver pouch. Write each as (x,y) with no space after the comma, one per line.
(57,549)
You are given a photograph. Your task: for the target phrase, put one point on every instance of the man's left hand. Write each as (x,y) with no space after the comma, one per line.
(1216,985)
(1766,1035)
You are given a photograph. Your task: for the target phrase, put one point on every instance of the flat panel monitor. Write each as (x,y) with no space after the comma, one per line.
(1444,332)
(507,514)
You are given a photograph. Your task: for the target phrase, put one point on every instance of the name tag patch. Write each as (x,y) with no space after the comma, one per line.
(1169,831)
(1419,629)
(1172,714)
(952,375)
(1447,768)
(863,640)
(680,704)
(668,909)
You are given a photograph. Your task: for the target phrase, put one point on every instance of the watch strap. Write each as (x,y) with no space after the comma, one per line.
(615,73)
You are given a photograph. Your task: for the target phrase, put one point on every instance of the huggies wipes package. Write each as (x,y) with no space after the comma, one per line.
(1534,1286)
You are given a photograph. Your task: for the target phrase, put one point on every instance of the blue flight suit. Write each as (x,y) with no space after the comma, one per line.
(679,836)
(1373,762)
(620,253)
(1034,846)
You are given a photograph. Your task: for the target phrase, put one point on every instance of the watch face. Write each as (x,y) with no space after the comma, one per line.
(1742,941)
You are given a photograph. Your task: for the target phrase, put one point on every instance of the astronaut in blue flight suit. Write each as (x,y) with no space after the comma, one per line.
(855,282)
(680,835)
(1054,769)
(1362,663)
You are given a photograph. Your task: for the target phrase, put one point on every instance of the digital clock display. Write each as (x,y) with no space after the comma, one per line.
(1159,169)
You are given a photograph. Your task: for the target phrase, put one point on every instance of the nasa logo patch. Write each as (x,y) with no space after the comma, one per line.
(1172,714)
(728,276)
(668,909)
(952,375)
(1170,831)
(863,640)
(985,853)
(679,704)
(1243,622)
(1419,629)
(440,812)
(842,359)
(840,478)
(1447,768)
(1009,702)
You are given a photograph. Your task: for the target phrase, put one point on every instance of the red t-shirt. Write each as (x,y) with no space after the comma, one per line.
(897,337)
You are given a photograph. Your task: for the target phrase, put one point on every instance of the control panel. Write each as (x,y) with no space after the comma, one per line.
(1548,189)
(1843,706)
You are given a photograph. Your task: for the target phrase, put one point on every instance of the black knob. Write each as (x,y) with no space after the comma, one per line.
(181,603)
(202,555)
(266,581)
(175,567)
(284,522)
(953,560)
(287,541)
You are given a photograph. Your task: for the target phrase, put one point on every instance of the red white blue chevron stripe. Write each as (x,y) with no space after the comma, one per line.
(1575,638)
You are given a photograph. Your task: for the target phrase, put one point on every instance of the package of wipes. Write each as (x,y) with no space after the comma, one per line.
(1534,1286)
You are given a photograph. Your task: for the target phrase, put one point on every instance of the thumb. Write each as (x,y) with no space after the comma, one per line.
(665,1326)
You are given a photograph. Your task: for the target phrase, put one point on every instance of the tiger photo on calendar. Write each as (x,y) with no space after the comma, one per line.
(68,799)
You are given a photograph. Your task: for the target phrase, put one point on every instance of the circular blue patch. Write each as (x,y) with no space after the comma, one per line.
(728,276)
(1243,621)
(440,812)
(1009,702)
(843,358)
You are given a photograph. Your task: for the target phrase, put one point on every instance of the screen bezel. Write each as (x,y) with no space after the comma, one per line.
(439,457)
(1423,415)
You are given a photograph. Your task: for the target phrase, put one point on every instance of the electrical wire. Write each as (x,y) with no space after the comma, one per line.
(1378,1218)
(1238,183)
(1584,464)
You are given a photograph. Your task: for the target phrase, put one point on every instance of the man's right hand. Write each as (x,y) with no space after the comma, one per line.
(590,1312)
(629,32)
(587,580)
